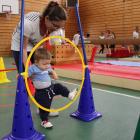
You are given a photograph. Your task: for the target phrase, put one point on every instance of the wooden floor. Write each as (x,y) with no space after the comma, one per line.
(119,107)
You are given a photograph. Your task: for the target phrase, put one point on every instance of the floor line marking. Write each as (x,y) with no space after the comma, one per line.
(8,87)
(69,85)
(70,81)
(79,83)
(29,102)
(5,61)
(109,91)
(92,89)
(100,87)
(12,74)
(8,94)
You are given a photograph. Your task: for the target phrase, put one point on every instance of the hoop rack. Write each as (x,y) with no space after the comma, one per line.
(8,14)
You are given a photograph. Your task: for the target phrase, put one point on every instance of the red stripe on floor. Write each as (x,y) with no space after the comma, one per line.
(69,81)
(69,85)
(12,74)
(29,102)
(101,87)
(8,94)
(78,83)
(5,61)
(7,105)
(8,87)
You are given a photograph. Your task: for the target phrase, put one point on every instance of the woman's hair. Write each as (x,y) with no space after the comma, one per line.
(42,54)
(102,33)
(108,31)
(54,11)
(114,34)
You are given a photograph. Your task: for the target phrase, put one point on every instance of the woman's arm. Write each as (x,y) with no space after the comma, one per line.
(25,42)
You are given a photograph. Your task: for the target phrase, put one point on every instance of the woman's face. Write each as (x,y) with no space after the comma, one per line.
(53,25)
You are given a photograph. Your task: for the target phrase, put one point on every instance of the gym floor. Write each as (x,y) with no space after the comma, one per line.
(119,107)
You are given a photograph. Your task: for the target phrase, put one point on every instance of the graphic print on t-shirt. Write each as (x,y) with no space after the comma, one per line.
(32,41)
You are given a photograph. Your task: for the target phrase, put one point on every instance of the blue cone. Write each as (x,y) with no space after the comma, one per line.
(137,132)
(86,110)
(23,128)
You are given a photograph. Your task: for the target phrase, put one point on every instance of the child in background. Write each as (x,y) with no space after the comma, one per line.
(88,36)
(45,89)
(102,45)
(126,47)
(107,36)
(76,38)
(112,47)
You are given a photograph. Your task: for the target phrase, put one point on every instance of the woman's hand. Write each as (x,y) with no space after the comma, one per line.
(17,77)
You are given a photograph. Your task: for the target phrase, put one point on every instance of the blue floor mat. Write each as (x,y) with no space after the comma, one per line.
(121,63)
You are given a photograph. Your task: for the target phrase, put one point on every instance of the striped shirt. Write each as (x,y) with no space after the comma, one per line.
(31,30)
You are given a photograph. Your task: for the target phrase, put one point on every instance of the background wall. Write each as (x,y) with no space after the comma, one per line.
(7,26)
(120,17)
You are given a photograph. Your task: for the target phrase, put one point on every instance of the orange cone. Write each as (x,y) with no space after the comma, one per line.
(31,86)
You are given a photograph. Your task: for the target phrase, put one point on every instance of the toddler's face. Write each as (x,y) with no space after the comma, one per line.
(43,64)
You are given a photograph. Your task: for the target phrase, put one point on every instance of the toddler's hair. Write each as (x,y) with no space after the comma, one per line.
(42,54)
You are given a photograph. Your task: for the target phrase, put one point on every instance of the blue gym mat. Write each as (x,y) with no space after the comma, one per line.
(121,63)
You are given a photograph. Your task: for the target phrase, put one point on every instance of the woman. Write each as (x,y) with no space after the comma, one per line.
(107,36)
(112,47)
(52,18)
(102,45)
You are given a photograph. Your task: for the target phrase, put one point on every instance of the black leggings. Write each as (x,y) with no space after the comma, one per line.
(102,50)
(107,46)
(16,58)
(45,96)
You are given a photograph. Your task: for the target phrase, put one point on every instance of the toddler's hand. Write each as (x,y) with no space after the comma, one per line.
(32,76)
(55,77)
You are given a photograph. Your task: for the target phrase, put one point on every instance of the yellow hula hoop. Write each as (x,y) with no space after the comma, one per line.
(25,74)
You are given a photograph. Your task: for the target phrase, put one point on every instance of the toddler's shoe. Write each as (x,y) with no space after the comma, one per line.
(46,124)
(51,113)
(72,94)
(37,110)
